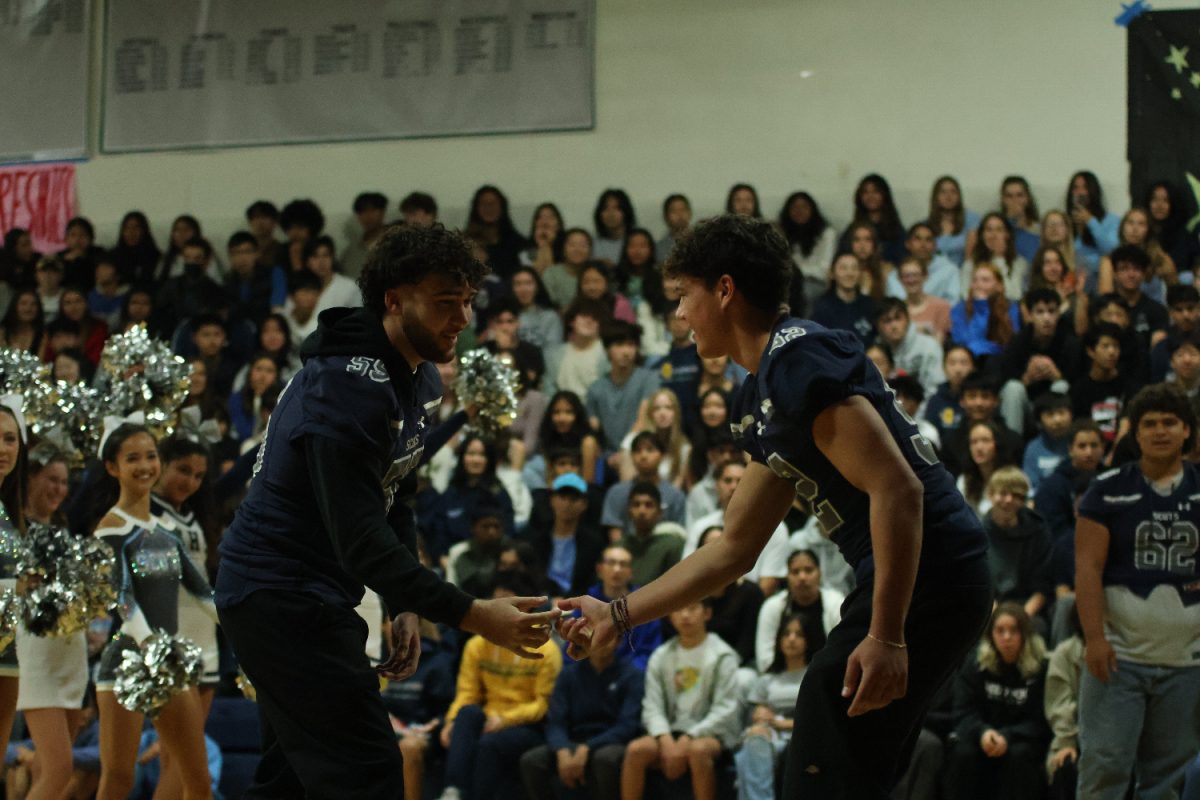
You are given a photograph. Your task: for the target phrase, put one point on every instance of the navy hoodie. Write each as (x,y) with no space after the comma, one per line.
(327,509)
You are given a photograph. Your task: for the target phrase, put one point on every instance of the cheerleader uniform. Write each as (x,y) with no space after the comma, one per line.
(58,670)
(194,622)
(151,565)
(10,548)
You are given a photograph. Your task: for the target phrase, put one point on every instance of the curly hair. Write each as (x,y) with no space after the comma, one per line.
(405,254)
(746,249)
(1164,398)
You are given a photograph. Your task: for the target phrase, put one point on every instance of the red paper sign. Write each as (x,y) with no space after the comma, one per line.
(39,198)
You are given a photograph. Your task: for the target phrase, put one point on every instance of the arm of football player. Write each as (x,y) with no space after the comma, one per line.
(1091,555)
(755,510)
(877,672)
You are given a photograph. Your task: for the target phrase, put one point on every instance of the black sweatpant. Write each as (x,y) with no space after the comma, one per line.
(836,757)
(325,730)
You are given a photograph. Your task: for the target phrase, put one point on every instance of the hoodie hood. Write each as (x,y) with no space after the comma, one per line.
(358,332)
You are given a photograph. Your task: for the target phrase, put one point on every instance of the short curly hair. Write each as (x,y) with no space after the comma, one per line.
(748,250)
(405,254)
(1164,398)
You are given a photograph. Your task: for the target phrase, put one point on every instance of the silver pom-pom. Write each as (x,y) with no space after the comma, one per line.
(10,615)
(69,581)
(491,386)
(20,371)
(152,674)
(144,375)
(69,416)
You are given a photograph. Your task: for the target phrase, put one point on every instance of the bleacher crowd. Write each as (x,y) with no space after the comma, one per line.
(1017,338)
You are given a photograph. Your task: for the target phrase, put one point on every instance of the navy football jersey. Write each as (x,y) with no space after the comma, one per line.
(1153,538)
(277,538)
(805,369)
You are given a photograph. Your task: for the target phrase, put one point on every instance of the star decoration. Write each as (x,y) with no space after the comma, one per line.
(1176,94)
(1178,58)
(1195,80)
(1194,185)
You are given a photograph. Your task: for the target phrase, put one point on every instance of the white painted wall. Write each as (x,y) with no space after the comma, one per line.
(694,95)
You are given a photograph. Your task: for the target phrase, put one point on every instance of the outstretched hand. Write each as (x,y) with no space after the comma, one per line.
(876,674)
(405,648)
(507,621)
(593,627)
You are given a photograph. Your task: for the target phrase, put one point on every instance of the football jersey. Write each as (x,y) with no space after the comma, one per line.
(805,369)
(277,538)
(1151,581)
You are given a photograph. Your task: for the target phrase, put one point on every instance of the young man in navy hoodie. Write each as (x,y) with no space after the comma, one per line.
(327,513)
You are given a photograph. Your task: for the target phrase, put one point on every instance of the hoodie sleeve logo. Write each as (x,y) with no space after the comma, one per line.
(371,368)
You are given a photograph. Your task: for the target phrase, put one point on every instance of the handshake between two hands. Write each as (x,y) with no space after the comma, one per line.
(511,623)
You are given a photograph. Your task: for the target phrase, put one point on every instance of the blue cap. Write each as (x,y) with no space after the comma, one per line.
(569,481)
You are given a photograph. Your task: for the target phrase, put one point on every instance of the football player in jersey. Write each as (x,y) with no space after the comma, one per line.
(1138,594)
(819,423)
(326,515)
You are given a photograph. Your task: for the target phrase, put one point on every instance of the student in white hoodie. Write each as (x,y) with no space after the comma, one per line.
(804,596)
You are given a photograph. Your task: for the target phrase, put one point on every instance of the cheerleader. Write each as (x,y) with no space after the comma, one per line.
(183,498)
(56,675)
(12,527)
(151,564)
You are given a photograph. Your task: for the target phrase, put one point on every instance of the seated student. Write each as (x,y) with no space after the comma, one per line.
(735,612)
(913,352)
(941,274)
(595,711)
(1044,452)
(1045,350)
(646,453)
(880,355)
(929,314)
(986,455)
(1101,392)
(1057,501)
(370,211)
(773,699)
(194,292)
(690,710)
(1019,546)
(999,743)
(569,547)
(994,245)
(716,449)
(618,399)
(653,552)
(1149,319)
(770,569)
(474,562)
(61,334)
(944,409)
(805,595)
(445,518)
(502,338)
(581,360)
(250,285)
(1183,308)
(980,401)
(615,573)
(417,704)
(262,216)
(1063,673)
(304,290)
(1185,364)
(911,396)
(209,339)
(559,461)
(679,368)
(844,306)
(107,297)
(498,710)
(986,319)
(419,209)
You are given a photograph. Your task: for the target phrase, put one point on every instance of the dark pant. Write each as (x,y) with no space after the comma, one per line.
(602,776)
(325,731)
(484,765)
(833,756)
(971,775)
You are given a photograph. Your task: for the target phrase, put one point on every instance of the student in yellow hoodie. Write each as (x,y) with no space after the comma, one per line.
(497,712)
